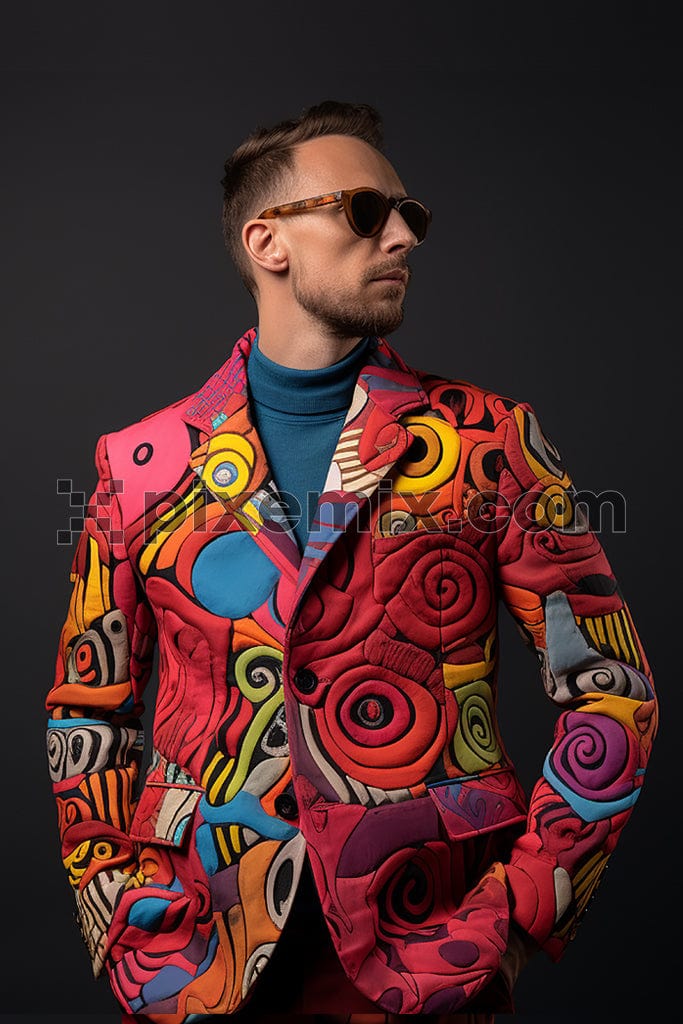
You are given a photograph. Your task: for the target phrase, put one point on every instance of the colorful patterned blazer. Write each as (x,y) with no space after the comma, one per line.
(341,704)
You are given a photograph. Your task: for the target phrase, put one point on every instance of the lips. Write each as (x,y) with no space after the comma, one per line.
(395,275)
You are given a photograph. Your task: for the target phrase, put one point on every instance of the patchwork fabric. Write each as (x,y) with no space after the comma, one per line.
(341,704)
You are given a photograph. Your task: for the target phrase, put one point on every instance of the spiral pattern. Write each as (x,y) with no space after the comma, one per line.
(554,508)
(467,600)
(595,758)
(408,897)
(395,522)
(432,456)
(455,590)
(475,743)
(381,730)
(258,672)
(570,547)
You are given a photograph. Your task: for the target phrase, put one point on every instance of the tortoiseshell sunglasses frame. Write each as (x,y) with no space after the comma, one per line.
(345,196)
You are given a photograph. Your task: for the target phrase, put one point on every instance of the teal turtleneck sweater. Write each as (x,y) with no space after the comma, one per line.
(299,415)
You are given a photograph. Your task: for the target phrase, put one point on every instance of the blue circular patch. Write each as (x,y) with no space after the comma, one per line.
(232,576)
(224,474)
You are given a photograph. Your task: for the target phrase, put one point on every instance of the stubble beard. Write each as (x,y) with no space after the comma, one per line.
(345,316)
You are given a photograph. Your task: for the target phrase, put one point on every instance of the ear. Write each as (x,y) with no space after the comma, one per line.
(262,241)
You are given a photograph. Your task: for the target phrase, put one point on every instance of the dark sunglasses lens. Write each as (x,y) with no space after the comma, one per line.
(416,217)
(369,212)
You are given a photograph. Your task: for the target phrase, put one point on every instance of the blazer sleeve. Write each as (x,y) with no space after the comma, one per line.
(94,738)
(556,581)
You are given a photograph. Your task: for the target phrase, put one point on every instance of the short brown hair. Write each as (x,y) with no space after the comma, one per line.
(259,165)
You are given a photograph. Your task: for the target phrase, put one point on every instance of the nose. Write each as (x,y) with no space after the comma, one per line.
(396,236)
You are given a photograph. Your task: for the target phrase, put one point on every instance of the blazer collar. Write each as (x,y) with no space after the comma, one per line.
(386,389)
(389,382)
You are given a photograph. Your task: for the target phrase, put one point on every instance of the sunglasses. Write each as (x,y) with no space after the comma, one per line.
(366,209)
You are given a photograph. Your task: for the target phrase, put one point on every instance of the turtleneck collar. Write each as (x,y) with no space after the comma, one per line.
(304,392)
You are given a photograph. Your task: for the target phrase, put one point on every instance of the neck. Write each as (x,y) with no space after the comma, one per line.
(324,390)
(299,341)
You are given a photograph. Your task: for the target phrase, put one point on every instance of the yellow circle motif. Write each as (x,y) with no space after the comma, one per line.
(438,455)
(554,508)
(229,465)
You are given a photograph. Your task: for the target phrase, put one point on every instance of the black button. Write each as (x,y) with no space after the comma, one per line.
(286,806)
(305,680)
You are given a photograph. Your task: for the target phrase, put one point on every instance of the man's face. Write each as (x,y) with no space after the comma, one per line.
(353,286)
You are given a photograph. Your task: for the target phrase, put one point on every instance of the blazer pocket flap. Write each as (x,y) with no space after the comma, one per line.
(164,813)
(470,806)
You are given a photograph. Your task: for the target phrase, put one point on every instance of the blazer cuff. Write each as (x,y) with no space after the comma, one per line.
(540,893)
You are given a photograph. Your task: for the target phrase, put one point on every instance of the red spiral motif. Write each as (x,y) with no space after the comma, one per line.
(452,582)
(411,892)
(382,729)
(468,603)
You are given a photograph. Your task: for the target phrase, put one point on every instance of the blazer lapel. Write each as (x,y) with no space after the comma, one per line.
(371,441)
(231,462)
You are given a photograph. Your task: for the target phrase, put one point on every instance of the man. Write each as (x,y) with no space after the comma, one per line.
(316,540)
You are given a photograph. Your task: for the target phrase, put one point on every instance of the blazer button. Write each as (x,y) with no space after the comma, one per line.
(286,806)
(305,680)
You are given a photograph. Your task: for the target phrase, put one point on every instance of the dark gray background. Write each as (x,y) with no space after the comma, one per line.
(546,139)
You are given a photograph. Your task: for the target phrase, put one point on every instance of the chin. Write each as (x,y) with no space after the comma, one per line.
(389,321)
